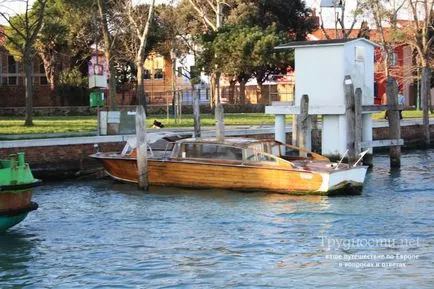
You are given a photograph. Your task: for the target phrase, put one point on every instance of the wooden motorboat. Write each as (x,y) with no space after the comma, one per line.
(237,163)
(16,183)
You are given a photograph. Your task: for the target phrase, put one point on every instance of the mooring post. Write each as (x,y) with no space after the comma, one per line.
(294,130)
(279,128)
(220,125)
(358,121)
(142,158)
(350,113)
(196,113)
(394,122)
(304,129)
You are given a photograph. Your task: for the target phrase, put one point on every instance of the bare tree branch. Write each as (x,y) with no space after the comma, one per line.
(202,14)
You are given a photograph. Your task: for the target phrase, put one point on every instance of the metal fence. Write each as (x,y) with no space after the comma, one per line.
(163,94)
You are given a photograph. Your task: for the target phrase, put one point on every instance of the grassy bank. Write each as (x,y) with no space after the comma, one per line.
(66,124)
(70,124)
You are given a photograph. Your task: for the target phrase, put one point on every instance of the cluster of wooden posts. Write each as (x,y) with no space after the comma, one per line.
(302,126)
(302,123)
(142,162)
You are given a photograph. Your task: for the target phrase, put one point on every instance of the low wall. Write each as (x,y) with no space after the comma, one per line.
(411,134)
(68,157)
(151,110)
(62,161)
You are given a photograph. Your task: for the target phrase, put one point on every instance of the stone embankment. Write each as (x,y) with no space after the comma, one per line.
(68,156)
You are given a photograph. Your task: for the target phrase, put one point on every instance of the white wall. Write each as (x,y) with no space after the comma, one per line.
(319,73)
(362,72)
(333,135)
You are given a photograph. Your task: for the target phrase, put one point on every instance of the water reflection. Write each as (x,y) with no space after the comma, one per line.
(16,253)
(102,234)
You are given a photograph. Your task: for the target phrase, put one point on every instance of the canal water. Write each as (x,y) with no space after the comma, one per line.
(101,234)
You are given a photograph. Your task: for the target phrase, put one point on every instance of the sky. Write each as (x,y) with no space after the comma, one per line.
(18,6)
(13,7)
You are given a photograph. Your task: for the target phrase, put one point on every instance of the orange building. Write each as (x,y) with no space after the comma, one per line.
(401,63)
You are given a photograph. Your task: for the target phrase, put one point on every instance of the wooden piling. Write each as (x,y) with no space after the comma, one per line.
(196,113)
(304,125)
(142,158)
(350,113)
(220,126)
(358,123)
(394,121)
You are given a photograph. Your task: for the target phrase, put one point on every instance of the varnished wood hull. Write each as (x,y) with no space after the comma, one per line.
(14,207)
(236,177)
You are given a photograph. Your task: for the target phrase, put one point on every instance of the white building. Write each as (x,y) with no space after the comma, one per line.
(321,67)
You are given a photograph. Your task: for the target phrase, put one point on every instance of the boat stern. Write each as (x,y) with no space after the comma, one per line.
(346,181)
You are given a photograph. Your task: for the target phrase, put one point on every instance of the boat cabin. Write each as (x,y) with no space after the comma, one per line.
(238,150)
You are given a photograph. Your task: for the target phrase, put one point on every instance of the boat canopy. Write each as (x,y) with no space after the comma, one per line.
(155,140)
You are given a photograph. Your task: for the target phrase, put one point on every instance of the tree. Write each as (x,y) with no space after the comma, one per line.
(420,37)
(106,17)
(211,15)
(341,19)
(244,52)
(417,32)
(21,34)
(140,29)
(51,43)
(252,31)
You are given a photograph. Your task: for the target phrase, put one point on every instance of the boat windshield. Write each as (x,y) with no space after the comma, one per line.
(210,151)
(253,155)
(127,149)
(280,150)
(271,148)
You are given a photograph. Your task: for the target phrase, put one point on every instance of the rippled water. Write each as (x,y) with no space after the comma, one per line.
(100,234)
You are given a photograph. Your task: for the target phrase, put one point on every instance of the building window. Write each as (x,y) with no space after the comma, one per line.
(393,59)
(42,78)
(158,74)
(12,65)
(360,54)
(12,71)
(41,68)
(146,74)
(12,80)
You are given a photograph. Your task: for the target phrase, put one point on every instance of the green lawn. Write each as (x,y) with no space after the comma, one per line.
(66,124)
(70,124)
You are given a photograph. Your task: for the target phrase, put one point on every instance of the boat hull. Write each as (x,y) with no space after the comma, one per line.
(192,174)
(7,222)
(10,217)
(16,183)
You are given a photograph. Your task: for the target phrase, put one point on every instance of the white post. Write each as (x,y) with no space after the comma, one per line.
(142,158)
(279,128)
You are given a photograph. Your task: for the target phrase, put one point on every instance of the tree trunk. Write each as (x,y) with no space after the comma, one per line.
(212,99)
(49,60)
(107,52)
(196,110)
(140,94)
(426,95)
(243,91)
(29,90)
(259,89)
(112,82)
(232,91)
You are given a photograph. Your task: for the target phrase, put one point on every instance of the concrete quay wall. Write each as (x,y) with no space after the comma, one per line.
(56,158)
